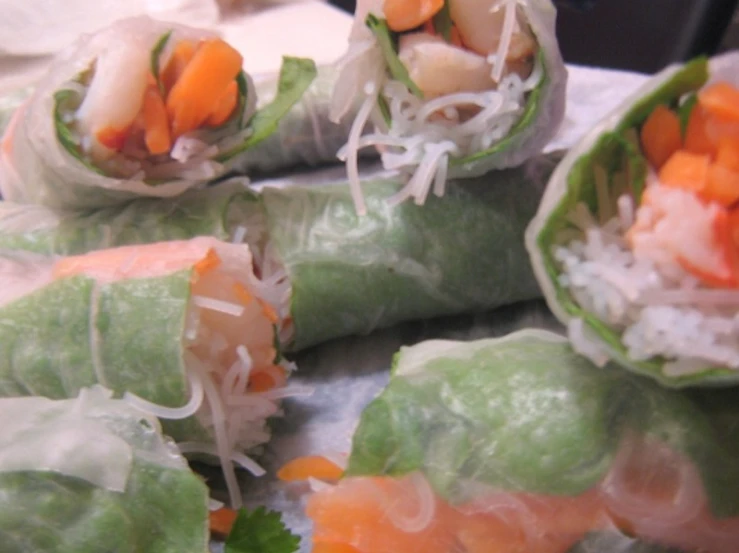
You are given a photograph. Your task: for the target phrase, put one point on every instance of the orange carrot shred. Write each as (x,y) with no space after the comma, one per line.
(111,138)
(269,312)
(209,262)
(404,15)
(311,466)
(156,124)
(721,100)
(226,106)
(221,521)
(685,170)
(242,293)
(660,135)
(196,93)
(181,56)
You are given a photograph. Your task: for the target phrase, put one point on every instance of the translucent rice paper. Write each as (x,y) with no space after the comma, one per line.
(664,85)
(92,472)
(77,437)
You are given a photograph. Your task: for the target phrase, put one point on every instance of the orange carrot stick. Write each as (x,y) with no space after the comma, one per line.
(226,105)
(722,185)
(727,154)
(311,466)
(221,521)
(242,293)
(196,93)
(207,263)
(404,15)
(269,312)
(660,136)
(720,100)
(181,56)
(112,138)
(156,124)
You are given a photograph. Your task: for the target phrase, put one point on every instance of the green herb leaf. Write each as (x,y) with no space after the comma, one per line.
(63,133)
(260,531)
(296,75)
(684,111)
(387,45)
(156,54)
(443,22)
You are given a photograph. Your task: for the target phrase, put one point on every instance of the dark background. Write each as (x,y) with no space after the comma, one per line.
(640,35)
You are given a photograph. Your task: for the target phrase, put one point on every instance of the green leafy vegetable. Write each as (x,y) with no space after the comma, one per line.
(260,531)
(296,75)
(156,53)
(69,99)
(684,110)
(443,22)
(387,45)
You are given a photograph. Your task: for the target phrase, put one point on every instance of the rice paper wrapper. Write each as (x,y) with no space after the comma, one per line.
(545,105)
(609,146)
(38,166)
(79,473)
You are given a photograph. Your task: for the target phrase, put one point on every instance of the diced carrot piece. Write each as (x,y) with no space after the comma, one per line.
(111,138)
(261,382)
(722,185)
(156,124)
(221,521)
(697,139)
(207,263)
(660,135)
(333,547)
(181,56)
(720,100)
(310,466)
(404,15)
(685,170)
(727,154)
(226,105)
(242,293)
(196,93)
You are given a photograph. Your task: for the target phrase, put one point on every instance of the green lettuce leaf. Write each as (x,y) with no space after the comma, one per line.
(387,45)
(261,531)
(68,99)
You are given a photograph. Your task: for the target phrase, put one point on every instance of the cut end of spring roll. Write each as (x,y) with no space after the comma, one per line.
(469,87)
(520,444)
(228,375)
(635,242)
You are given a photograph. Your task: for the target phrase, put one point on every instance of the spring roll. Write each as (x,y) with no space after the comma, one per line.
(519,444)
(183,329)
(142,108)
(635,242)
(341,274)
(452,87)
(94,474)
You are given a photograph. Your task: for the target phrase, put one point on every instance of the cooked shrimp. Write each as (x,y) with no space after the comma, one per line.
(439,68)
(482,29)
(112,103)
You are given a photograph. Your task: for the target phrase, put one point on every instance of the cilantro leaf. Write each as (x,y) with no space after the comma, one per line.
(260,531)
(156,53)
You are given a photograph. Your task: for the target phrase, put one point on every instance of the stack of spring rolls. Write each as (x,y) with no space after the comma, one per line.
(150,298)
